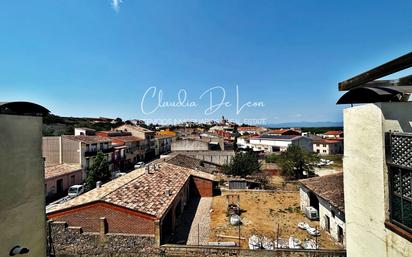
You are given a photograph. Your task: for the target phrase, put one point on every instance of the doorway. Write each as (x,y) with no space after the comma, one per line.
(59,186)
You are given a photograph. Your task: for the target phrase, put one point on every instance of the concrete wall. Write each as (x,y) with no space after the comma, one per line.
(71,153)
(366,181)
(215,157)
(51,150)
(189,145)
(22,211)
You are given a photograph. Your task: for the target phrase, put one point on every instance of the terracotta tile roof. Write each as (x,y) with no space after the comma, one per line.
(329,187)
(334,132)
(88,139)
(326,141)
(128,138)
(250,128)
(164,136)
(283,131)
(60,169)
(137,190)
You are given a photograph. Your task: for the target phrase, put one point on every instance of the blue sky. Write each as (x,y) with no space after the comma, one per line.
(86,58)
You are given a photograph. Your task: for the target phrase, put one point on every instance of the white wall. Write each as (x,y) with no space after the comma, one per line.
(365,180)
(334,223)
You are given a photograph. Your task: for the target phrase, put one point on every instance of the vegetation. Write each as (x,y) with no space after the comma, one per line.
(54,125)
(99,171)
(242,164)
(320,130)
(272,158)
(295,162)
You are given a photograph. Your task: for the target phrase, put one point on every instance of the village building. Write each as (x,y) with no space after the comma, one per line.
(328,146)
(326,195)
(146,134)
(333,134)
(269,143)
(163,143)
(145,203)
(58,178)
(128,149)
(76,150)
(251,130)
(284,132)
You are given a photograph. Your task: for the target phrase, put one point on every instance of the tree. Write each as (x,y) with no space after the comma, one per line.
(296,161)
(99,171)
(242,164)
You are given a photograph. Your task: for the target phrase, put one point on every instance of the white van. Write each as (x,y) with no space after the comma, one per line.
(75,190)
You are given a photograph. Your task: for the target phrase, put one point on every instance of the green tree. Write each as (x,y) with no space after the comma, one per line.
(272,158)
(296,161)
(242,164)
(99,171)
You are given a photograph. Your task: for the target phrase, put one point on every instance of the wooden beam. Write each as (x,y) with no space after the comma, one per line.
(383,70)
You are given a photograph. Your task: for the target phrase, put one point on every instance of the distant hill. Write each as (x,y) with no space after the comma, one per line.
(307,124)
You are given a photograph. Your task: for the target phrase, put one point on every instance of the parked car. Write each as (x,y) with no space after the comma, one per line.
(75,190)
(139,165)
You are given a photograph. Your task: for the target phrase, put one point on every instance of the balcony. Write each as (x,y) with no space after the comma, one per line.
(94,152)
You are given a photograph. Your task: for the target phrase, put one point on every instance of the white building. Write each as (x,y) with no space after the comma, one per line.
(326,194)
(268,143)
(328,146)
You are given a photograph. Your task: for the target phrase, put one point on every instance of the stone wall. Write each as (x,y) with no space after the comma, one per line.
(71,241)
(186,251)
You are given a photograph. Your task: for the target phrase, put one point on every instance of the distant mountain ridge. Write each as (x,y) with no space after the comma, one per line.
(307,124)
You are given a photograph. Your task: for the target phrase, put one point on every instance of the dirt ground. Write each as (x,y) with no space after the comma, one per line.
(263,212)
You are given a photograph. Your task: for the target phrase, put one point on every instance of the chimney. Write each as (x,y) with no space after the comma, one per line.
(98,184)
(168,192)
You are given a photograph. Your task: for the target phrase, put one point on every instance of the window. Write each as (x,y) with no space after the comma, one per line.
(87,163)
(401,197)
(72,179)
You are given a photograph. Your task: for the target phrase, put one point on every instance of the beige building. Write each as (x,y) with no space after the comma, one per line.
(76,150)
(163,144)
(22,201)
(377,181)
(328,146)
(59,177)
(146,134)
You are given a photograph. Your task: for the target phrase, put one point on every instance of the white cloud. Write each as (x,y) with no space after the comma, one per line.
(116,5)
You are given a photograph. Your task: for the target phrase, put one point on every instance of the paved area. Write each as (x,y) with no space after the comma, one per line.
(195,218)
(200,229)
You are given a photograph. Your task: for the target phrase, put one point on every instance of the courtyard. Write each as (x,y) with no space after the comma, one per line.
(263,214)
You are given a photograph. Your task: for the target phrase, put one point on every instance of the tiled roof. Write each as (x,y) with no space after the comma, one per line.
(88,139)
(272,137)
(195,166)
(137,190)
(250,128)
(164,136)
(334,132)
(128,138)
(282,131)
(329,187)
(60,169)
(326,141)
(132,127)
